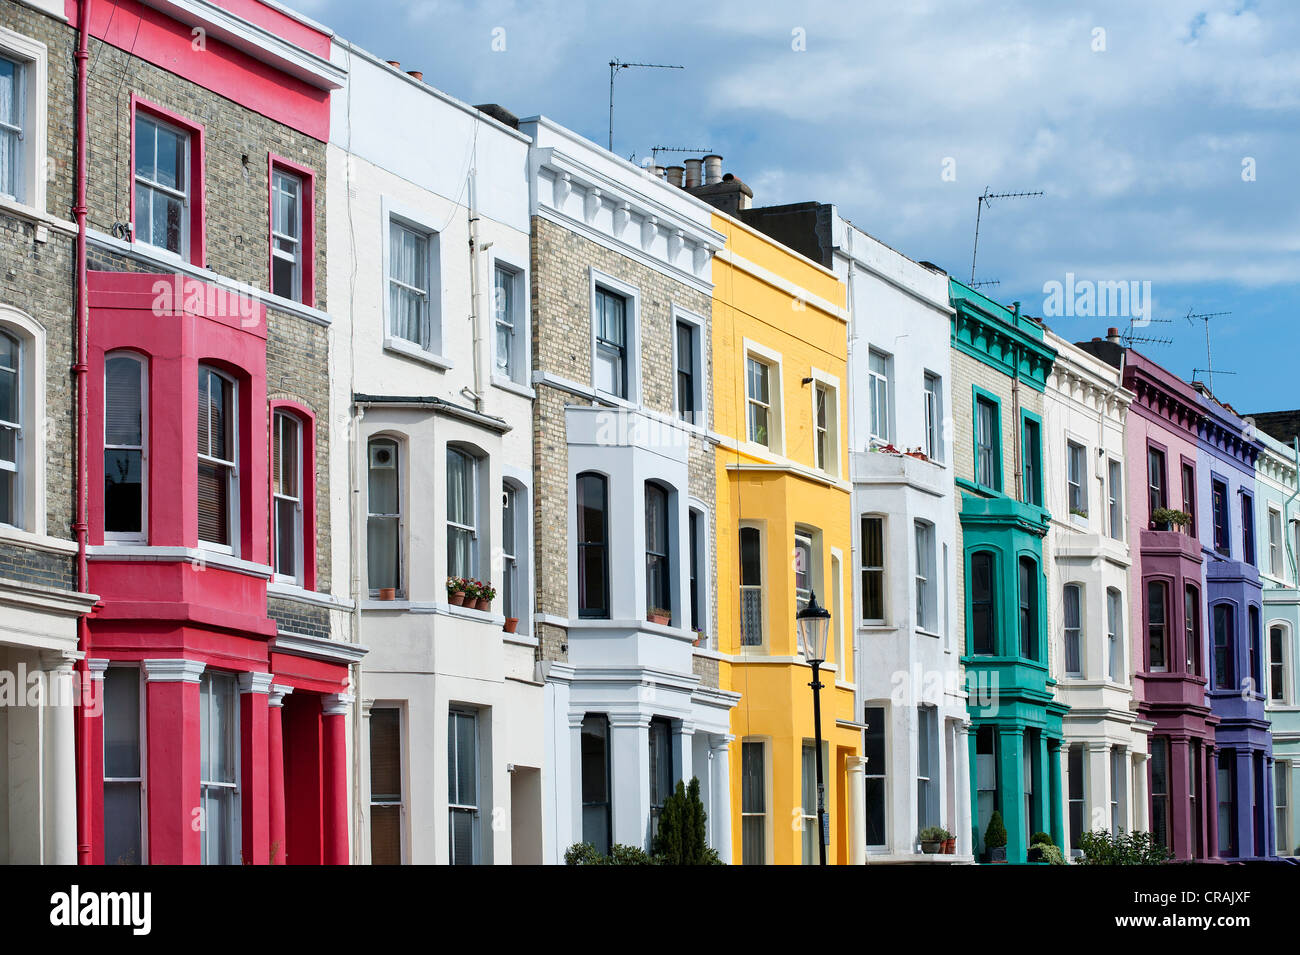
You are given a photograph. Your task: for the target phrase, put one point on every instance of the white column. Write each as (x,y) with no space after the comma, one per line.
(569,797)
(961,766)
(1139,799)
(1098,777)
(1063,753)
(59,763)
(26,801)
(857,796)
(720,821)
(683,743)
(629,737)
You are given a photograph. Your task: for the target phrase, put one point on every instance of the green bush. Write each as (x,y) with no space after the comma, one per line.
(682,838)
(933,834)
(1041,838)
(583,853)
(1123,848)
(629,855)
(995,836)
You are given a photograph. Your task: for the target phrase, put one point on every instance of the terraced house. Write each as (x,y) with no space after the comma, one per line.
(433,422)
(1226,509)
(1277,521)
(1000,364)
(42,596)
(627,611)
(780,352)
(223,732)
(905,652)
(1087,551)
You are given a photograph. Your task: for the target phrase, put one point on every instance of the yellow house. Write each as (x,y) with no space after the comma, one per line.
(780,353)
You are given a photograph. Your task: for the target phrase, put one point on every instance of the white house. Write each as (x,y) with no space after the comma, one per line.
(625,478)
(432,406)
(1087,559)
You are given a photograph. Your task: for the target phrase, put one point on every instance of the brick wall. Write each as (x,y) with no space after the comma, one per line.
(561,329)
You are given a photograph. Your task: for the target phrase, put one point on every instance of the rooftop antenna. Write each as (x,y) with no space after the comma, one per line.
(985,200)
(1209,364)
(1129,338)
(698,150)
(614,66)
(985,282)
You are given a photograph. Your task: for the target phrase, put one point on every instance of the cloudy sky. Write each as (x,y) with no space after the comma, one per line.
(1164,134)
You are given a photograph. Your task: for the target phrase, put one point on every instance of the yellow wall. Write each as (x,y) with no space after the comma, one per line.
(789,305)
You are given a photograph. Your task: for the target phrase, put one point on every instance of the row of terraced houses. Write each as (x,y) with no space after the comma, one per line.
(292,343)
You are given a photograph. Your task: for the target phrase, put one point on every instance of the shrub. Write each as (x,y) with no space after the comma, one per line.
(683,837)
(933,834)
(1123,848)
(1041,838)
(995,836)
(583,853)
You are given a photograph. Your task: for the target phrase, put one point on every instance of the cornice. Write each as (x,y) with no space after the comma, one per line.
(990,334)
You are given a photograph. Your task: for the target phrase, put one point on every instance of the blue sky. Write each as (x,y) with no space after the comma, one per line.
(1164,134)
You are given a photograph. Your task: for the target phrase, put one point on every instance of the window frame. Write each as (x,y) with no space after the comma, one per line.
(1187,477)
(517,363)
(32,59)
(932,399)
(193,232)
(1279,668)
(880,571)
(761,745)
(881,773)
(475,532)
(825,423)
(20,466)
(306,271)
(302,509)
(602,283)
(236,787)
(1221,517)
(1031,439)
(1192,628)
(398,801)
(1157,493)
(1150,624)
(1076,480)
(515,586)
(606,805)
(1275,542)
(141,536)
(758,600)
(398,518)
(975,647)
(141,780)
(663,600)
(415,221)
(1223,654)
(981,397)
(1116,671)
(1077,589)
(772,360)
(694,325)
(880,387)
(1248,544)
(232,465)
(1115,497)
(1030,604)
(924,536)
(584,610)
(474,809)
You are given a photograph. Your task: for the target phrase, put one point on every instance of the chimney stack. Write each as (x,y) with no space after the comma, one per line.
(694,173)
(712,170)
(675,174)
(1112,335)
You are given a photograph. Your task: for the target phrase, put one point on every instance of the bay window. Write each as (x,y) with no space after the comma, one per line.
(593,546)
(218,442)
(1192,629)
(594,752)
(462,514)
(658,567)
(753,802)
(126,390)
(386,803)
(751,587)
(219,767)
(123,767)
(1223,663)
(383,517)
(1028,609)
(983,616)
(287,467)
(1157,626)
(464,836)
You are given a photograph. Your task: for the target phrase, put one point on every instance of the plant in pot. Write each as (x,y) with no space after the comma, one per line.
(932,839)
(456,591)
(1167,518)
(1037,843)
(486,594)
(995,838)
(511,624)
(949,843)
(659,615)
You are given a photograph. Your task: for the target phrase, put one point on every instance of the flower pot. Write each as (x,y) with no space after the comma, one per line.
(456,598)
(659,618)
(511,624)
(931,848)
(387,593)
(997,853)
(482,603)
(950,847)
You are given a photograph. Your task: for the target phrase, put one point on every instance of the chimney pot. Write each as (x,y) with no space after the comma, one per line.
(694,172)
(712,170)
(395,64)
(1112,335)
(416,74)
(675,174)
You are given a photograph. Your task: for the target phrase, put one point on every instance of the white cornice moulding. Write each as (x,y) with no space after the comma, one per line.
(173,671)
(68,603)
(258,42)
(318,648)
(255,682)
(783,284)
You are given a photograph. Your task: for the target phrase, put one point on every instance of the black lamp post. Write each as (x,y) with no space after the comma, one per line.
(813,623)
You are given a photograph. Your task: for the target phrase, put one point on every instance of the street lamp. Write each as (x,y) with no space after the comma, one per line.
(813,623)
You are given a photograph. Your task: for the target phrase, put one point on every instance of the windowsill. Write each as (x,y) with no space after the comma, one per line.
(400,346)
(440,608)
(1078,521)
(36,217)
(514,387)
(928,633)
(293,591)
(875,626)
(16,535)
(199,556)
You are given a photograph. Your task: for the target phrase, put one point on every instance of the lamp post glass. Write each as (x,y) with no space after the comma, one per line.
(813,624)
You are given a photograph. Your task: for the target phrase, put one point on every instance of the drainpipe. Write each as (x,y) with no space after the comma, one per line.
(355,447)
(475,311)
(79,370)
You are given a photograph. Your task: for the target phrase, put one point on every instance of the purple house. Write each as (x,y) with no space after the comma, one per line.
(1167,587)
(1226,505)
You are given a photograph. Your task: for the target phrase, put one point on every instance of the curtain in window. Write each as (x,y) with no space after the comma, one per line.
(751,588)
(11,123)
(408,285)
(461,521)
(503,304)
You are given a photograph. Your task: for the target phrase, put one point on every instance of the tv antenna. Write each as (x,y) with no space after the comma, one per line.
(985,200)
(698,150)
(1205,317)
(614,66)
(1129,338)
(985,282)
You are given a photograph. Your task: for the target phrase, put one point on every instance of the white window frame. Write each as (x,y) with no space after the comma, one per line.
(698,384)
(1275,542)
(632,332)
(236,829)
(927,604)
(830,385)
(19,466)
(399,518)
(1078,630)
(880,387)
(29,454)
(1285,663)
(186,195)
(416,221)
(932,398)
(836,607)
(766,814)
(882,569)
(231,467)
(402,755)
(301,480)
(123,537)
(1115,637)
(143,779)
(760,589)
(1115,504)
(1282,800)
(518,358)
(475,531)
(1076,480)
(278,175)
(476,808)
(704,592)
(775,392)
(30,177)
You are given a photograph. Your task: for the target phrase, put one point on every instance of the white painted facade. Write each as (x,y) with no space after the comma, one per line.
(403,154)
(624,670)
(908,654)
(1085,470)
